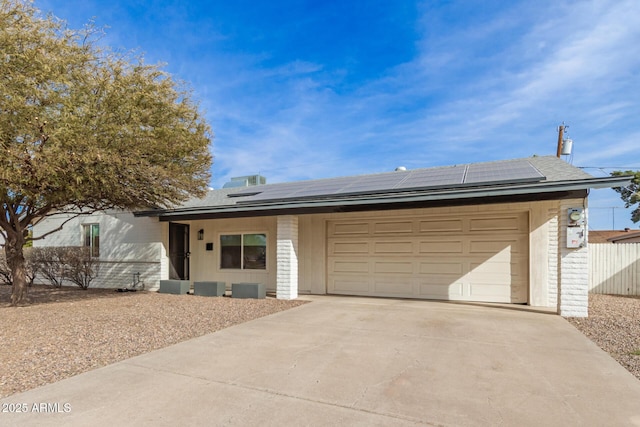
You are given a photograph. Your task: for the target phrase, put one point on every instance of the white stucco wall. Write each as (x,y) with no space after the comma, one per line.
(128,245)
(573,271)
(552,260)
(205,265)
(558,276)
(287,254)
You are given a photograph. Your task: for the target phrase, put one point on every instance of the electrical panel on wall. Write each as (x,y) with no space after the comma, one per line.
(576,228)
(575,237)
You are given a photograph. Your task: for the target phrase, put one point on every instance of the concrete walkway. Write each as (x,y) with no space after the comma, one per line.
(355,361)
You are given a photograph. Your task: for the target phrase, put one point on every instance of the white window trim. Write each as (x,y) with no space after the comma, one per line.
(241,270)
(82,237)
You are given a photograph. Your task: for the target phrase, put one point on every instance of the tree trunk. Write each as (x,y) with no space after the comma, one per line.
(16,262)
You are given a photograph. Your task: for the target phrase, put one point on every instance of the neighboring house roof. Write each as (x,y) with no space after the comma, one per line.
(534,178)
(602,236)
(627,238)
(614,236)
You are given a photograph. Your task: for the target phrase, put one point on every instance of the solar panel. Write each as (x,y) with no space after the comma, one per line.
(431,178)
(377,182)
(434,177)
(511,171)
(324,187)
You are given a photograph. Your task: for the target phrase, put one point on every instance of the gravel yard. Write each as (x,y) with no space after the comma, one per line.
(67,331)
(64,332)
(614,325)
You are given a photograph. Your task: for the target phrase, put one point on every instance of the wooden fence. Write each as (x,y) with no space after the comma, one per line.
(614,268)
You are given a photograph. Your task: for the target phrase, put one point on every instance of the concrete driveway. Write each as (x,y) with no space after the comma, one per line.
(355,361)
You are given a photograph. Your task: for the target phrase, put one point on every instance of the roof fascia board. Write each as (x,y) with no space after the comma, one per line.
(404,197)
(292,210)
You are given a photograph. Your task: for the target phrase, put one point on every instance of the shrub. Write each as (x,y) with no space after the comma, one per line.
(5,271)
(79,266)
(65,263)
(50,264)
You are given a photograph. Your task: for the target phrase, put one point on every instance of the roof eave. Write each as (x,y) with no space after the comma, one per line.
(399,197)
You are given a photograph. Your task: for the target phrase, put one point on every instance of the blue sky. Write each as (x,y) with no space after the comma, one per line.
(311,89)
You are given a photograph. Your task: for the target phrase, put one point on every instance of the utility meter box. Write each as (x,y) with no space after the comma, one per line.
(576,217)
(575,237)
(576,228)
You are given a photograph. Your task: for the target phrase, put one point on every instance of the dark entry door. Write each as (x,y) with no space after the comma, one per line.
(179,251)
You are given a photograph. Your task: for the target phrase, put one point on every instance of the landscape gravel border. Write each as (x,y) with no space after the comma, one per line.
(614,325)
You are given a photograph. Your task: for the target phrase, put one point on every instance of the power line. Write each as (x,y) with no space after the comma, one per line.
(608,167)
(613,213)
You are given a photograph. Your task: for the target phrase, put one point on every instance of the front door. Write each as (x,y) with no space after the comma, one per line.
(178,251)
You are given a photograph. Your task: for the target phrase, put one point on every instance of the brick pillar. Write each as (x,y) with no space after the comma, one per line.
(287,257)
(573,274)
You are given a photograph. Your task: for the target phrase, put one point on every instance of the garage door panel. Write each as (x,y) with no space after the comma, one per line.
(347,248)
(513,269)
(440,225)
(350,266)
(393,248)
(493,246)
(520,270)
(518,294)
(500,263)
(350,286)
(513,272)
(428,268)
(393,286)
(396,227)
(470,257)
(349,229)
(440,280)
(446,291)
(490,293)
(386,267)
(440,246)
(502,279)
(496,224)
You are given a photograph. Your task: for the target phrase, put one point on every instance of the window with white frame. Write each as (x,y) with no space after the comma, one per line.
(91,238)
(243,251)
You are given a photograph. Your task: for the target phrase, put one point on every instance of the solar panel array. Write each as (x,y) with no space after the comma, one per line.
(512,171)
(508,171)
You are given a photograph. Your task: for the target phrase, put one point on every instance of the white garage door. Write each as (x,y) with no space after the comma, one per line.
(466,258)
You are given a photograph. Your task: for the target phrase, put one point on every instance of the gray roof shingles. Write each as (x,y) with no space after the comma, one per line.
(551,170)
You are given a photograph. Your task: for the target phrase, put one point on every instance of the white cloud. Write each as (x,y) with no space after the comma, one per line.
(480,86)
